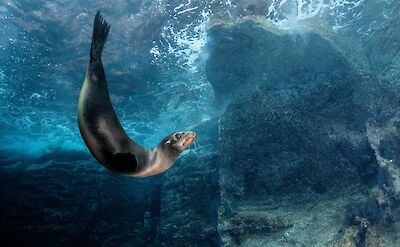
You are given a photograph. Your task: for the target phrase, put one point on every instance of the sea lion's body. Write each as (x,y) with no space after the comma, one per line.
(103,133)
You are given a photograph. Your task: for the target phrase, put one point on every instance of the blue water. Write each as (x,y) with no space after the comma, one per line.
(294,102)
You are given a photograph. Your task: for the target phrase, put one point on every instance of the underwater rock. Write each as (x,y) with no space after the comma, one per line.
(301,131)
(382,48)
(250,222)
(384,138)
(249,54)
(373,34)
(353,236)
(64,203)
(365,234)
(287,220)
(189,202)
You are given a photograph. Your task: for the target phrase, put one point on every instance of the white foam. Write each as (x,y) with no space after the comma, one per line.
(187,10)
(187,42)
(289,18)
(178,7)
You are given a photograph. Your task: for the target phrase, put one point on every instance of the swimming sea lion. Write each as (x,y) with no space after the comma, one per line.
(103,133)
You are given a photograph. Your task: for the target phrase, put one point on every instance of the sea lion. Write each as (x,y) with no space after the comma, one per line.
(103,133)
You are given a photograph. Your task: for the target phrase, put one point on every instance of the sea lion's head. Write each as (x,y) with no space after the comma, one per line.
(175,143)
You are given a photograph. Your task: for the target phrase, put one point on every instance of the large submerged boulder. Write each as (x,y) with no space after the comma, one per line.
(295,124)
(304,126)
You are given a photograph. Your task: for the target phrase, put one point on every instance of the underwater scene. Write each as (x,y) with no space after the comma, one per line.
(294,107)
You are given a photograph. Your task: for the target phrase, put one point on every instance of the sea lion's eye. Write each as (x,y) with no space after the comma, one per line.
(178,136)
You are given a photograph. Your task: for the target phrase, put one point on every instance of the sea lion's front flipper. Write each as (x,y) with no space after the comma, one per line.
(125,162)
(99,37)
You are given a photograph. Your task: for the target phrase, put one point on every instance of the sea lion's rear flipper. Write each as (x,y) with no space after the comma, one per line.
(99,37)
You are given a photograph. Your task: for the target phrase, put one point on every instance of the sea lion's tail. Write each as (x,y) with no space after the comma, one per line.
(99,37)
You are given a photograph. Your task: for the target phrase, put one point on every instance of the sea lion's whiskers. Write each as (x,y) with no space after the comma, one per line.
(196,147)
(197,144)
(194,144)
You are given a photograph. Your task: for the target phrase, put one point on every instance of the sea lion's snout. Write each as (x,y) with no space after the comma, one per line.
(186,139)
